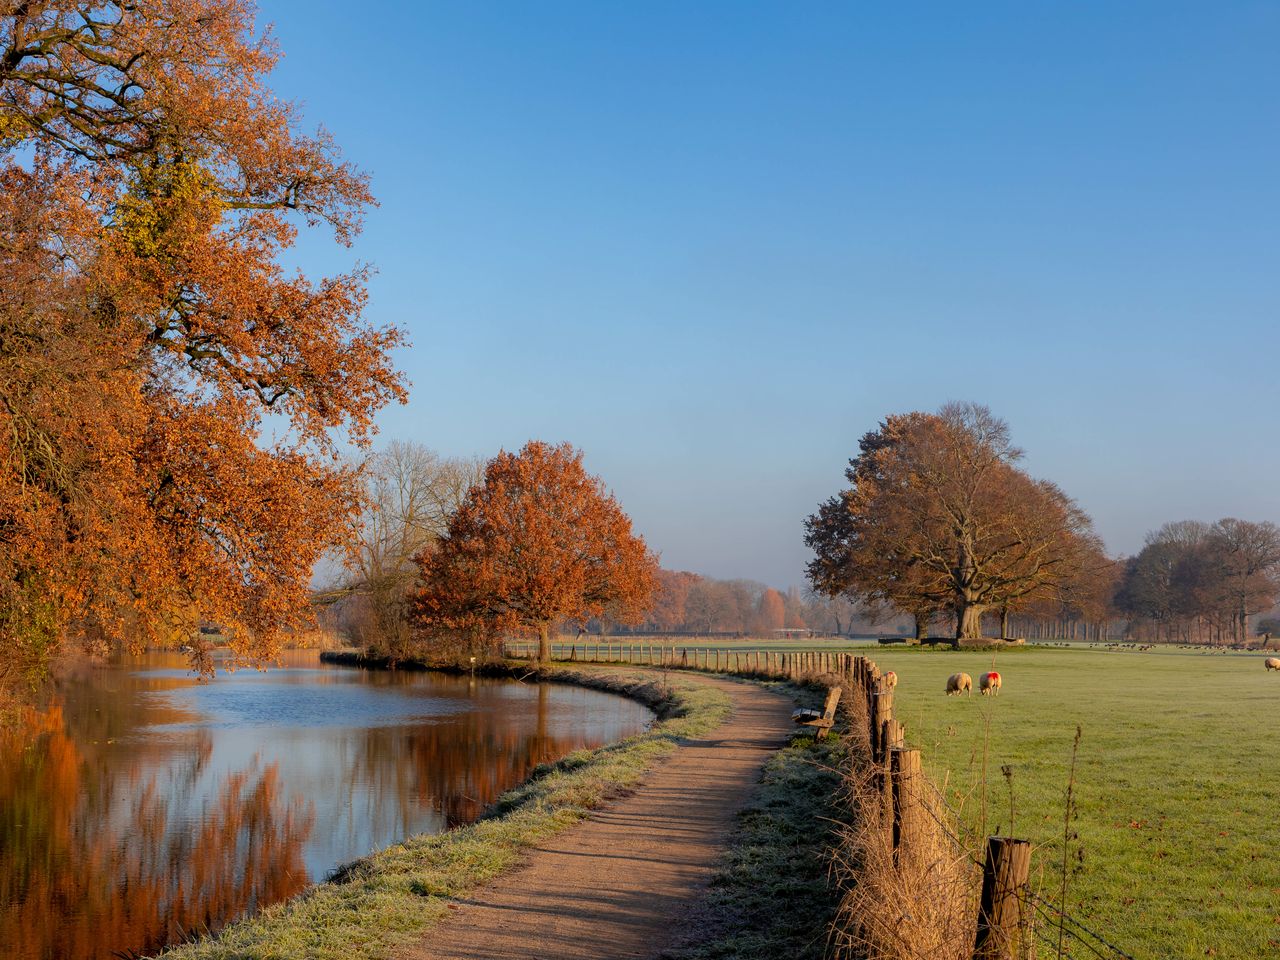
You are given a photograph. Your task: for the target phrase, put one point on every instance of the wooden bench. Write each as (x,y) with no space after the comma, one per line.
(823,720)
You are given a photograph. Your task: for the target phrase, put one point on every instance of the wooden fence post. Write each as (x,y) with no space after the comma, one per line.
(908,810)
(1001,925)
(892,734)
(882,711)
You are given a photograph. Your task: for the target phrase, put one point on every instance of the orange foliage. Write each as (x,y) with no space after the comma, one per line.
(171,401)
(772,611)
(97,850)
(538,541)
(670,599)
(939,514)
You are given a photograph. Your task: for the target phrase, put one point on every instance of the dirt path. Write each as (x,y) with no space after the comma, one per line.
(616,884)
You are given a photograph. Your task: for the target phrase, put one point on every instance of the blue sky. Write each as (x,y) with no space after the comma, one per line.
(712,244)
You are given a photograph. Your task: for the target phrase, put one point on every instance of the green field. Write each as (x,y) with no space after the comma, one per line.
(1178,783)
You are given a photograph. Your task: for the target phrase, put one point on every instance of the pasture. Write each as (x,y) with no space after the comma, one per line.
(1177,783)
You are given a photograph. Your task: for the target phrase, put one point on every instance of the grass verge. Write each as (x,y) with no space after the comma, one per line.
(771,897)
(384,901)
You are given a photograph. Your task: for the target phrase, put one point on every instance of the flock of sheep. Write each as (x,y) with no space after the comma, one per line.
(989,683)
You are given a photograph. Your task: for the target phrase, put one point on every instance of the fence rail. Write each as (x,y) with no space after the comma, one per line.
(790,664)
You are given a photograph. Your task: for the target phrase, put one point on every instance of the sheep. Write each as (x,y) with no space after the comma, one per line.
(959,683)
(1272,663)
(990,684)
(890,680)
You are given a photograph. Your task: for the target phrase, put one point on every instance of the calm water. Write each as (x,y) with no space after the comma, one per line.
(142,804)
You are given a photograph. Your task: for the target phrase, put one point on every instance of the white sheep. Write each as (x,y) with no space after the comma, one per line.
(890,680)
(990,684)
(1272,663)
(959,683)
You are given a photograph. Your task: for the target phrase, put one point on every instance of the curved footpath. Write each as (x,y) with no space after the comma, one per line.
(619,883)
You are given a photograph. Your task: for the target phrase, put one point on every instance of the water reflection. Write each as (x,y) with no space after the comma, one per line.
(138,805)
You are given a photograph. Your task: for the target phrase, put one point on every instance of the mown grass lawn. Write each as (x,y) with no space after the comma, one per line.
(1178,783)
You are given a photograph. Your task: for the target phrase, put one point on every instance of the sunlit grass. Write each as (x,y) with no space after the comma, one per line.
(772,896)
(1178,783)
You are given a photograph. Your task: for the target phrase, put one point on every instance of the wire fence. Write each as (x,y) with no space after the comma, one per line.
(1095,943)
(1067,929)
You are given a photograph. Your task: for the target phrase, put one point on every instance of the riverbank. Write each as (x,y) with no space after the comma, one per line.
(387,900)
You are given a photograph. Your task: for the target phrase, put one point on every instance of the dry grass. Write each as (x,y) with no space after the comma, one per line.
(919,903)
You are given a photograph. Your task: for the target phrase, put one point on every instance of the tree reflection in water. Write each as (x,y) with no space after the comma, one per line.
(424,765)
(93,865)
(139,807)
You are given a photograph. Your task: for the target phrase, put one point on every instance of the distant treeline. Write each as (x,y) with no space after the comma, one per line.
(1201,583)
(688,603)
(1192,582)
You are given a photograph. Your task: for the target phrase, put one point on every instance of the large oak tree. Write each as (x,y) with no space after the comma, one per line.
(172,400)
(538,541)
(937,512)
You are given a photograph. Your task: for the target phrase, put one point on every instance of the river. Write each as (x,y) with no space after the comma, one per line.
(140,805)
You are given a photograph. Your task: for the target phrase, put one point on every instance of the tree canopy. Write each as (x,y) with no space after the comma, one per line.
(938,515)
(538,541)
(1190,573)
(172,400)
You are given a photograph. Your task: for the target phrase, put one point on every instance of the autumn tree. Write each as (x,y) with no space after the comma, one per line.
(711,606)
(1165,583)
(172,400)
(835,613)
(938,513)
(1248,557)
(1192,576)
(844,562)
(771,611)
(536,542)
(796,617)
(410,495)
(671,598)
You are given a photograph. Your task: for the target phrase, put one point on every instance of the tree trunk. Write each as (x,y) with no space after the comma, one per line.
(968,622)
(1004,622)
(922,626)
(544,643)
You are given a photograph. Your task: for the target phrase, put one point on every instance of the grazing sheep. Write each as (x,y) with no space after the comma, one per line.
(959,683)
(890,680)
(1272,663)
(990,684)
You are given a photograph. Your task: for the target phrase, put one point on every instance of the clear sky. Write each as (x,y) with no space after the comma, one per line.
(714,243)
